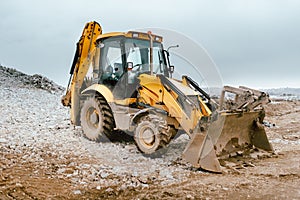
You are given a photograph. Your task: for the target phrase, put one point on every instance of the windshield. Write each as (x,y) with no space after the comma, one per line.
(138,52)
(117,52)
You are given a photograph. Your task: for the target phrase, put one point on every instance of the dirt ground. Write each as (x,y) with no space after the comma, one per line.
(43,157)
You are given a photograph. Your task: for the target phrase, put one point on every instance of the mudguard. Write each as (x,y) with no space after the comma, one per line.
(101,89)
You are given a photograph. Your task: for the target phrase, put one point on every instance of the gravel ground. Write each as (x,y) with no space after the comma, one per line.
(35,125)
(44,157)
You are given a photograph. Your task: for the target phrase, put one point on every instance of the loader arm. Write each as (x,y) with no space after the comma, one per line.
(86,52)
(180,101)
(190,109)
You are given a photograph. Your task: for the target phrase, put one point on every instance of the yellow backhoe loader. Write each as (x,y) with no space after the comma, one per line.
(122,81)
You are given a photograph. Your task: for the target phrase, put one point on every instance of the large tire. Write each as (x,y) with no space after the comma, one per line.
(97,119)
(152,133)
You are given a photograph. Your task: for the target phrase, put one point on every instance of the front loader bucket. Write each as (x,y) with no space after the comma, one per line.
(230,133)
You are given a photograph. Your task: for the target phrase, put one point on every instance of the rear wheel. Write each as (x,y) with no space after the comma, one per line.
(96,119)
(152,133)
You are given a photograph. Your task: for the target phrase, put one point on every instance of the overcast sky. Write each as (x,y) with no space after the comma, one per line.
(254,43)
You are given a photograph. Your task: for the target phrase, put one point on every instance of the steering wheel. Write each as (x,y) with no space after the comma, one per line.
(137,65)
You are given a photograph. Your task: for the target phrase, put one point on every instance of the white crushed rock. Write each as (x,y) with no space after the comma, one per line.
(34,123)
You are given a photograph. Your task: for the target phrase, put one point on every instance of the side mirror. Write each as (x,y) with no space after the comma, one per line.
(166,52)
(129,66)
(171,69)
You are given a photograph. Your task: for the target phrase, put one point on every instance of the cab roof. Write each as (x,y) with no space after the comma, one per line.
(131,34)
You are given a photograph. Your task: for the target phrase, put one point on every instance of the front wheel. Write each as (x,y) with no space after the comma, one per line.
(151,133)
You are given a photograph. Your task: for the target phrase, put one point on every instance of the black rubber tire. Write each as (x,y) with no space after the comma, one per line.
(97,119)
(152,133)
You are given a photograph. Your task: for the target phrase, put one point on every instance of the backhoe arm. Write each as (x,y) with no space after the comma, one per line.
(85,51)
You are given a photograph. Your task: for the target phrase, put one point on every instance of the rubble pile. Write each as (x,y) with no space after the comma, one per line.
(9,76)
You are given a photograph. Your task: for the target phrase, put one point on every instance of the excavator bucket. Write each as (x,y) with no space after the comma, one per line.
(231,132)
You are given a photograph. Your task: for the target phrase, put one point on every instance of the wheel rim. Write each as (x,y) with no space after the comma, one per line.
(147,136)
(93,117)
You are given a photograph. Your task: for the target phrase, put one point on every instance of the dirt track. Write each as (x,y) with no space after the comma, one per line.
(44,157)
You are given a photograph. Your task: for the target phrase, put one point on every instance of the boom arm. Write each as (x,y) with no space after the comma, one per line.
(162,93)
(85,51)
